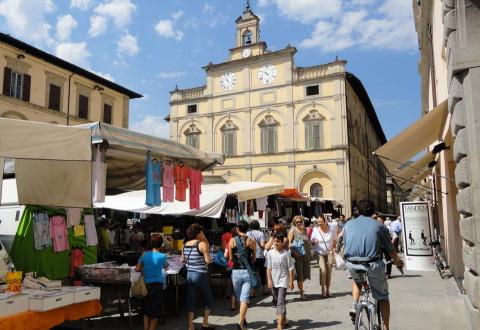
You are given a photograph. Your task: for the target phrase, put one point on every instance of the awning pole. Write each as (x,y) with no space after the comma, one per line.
(415,168)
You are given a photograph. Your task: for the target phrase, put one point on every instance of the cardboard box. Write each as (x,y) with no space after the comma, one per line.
(49,300)
(13,304)
(82,293)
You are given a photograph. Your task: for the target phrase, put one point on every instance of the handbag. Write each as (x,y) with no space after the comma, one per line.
(139,288)
(340,263)
(184,270)
(220,259)
(243,254)
(298,247)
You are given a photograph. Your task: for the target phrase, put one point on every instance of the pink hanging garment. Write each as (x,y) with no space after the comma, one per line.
(196,179)
(74,216)
(59,234)
(168,182)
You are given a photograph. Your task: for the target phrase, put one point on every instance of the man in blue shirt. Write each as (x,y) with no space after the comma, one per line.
(364,240)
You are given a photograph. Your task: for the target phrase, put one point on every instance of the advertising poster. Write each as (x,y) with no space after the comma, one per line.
(416,220)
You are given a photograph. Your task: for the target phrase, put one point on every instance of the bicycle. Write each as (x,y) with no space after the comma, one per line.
(439,259)
(368,316)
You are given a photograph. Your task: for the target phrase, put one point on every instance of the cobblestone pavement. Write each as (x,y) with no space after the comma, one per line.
(420,300)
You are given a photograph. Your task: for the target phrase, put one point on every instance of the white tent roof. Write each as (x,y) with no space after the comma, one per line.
(212,199)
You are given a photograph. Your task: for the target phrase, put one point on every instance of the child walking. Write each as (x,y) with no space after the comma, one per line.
(280,268)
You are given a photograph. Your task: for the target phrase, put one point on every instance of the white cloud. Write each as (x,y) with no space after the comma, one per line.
(166,28)
(343,24)
(65,25)
(208,9)
(171,75)
(107,76)
(176,15)
(80,4)
(120,11)
(153,125)
(128,45)
(76,53)
(26,19)
(98,26)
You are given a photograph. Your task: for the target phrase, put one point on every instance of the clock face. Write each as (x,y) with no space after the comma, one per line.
(246,52)
(228,81)
(267,74)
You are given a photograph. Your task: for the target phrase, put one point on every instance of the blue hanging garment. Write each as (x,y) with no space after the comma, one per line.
(150,199)
(157,182)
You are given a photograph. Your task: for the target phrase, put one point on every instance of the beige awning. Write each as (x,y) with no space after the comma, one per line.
(412,182)
(419,136)
(411,171)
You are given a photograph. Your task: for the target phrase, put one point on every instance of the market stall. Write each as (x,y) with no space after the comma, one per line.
(62,169)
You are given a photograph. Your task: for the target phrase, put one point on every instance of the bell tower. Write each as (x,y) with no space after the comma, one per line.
(248,34)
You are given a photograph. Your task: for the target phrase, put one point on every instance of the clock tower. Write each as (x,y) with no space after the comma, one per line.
(248,36)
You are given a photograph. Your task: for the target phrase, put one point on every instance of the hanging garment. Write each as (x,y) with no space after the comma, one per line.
(261,203)
(149,199)
(181,184)
(168,182)
(157,182)
(99,177)
(74,216)
(260,214)
(250,208)
(196,178)
(76,260)
(78,230)
(90,230)
(59,234)
(2,164)
(231,216)
(41,230)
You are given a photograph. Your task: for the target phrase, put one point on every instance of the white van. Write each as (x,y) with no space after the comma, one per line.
(10,212)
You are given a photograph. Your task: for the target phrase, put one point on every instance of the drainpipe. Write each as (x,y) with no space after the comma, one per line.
(68,102)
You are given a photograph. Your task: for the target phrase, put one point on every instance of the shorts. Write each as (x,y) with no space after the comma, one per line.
(152,304)
(198,286)
(376,277)
(242,284)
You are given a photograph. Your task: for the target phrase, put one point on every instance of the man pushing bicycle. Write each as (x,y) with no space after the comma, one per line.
(364,240)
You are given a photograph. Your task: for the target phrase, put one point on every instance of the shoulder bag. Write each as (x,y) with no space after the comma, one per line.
(330,255)
(139,288)
(243,254)
(184,270)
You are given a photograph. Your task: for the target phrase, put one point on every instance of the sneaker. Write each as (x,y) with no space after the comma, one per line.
(353,311)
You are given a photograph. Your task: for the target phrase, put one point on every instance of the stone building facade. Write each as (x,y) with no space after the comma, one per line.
(449,34)
(38,86)
(311,128)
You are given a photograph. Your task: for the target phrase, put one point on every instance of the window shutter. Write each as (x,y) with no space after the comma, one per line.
(107,113)
(230,143)
(321,135)
(7,78)
(224,143)
(83,106)
(264,140)
(54,97)
(234,142)
(26,87)
(275,139)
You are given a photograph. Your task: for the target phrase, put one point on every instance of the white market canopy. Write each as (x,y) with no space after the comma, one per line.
(212,199)
(53,163)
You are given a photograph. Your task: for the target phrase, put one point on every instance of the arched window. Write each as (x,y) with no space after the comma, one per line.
(314,131)
(229,138)
(268,137)
(316,190)
(193,136)
(247,38)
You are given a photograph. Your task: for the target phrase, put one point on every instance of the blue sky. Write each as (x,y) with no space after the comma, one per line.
(152,45)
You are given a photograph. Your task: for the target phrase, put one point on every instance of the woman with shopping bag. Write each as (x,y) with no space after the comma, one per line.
(324,242)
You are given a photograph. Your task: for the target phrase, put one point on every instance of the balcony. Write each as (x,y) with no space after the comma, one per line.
(179,95)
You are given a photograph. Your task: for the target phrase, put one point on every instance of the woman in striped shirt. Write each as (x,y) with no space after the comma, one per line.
(196,255)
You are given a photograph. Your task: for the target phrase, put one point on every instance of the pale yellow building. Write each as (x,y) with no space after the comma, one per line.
(311,128)
(38,86)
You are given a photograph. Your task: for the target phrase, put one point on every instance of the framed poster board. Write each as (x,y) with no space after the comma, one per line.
(417,235)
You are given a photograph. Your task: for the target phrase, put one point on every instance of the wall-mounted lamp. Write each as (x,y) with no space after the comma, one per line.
(439,147)
(98,88)
(432,164)
(20,56)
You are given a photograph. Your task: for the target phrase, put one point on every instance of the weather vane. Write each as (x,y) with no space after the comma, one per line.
(248,4)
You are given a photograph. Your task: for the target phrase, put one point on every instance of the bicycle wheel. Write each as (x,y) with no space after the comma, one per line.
(363,318)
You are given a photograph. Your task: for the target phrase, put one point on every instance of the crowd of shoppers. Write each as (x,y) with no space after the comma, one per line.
(262,263)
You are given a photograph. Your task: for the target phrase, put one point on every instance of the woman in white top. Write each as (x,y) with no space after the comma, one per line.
(324,239)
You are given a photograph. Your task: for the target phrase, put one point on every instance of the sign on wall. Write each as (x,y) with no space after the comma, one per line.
(417,234)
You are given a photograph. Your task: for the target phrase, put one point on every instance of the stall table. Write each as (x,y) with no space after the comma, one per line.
(46,320)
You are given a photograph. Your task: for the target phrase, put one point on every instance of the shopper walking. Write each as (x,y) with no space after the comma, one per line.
(243,253)
(151,264)
(229,231)
(280,267)
(196,256)
(300,247)
(324,239)
(259,237)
